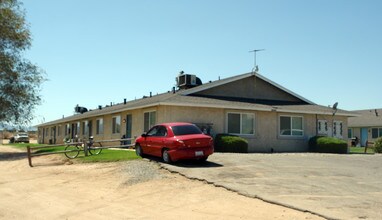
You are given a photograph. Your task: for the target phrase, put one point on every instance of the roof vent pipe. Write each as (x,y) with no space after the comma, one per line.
(151,94)
(124,101)
(173,90)
(100,107)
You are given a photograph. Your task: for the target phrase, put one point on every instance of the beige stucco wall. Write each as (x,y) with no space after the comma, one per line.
(265,139)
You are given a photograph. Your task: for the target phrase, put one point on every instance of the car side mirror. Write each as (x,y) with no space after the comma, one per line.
(144,135)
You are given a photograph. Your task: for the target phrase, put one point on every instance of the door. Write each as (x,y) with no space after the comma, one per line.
(364,136)
(90,125)
(129,122)
(54,135)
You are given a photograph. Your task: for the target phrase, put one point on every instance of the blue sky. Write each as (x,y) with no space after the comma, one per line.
(97,52)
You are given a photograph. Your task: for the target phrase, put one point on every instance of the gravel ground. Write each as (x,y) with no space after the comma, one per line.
(139,171)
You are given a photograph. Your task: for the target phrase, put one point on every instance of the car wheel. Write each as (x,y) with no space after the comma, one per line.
(138,150)
(203,159)
(166,156)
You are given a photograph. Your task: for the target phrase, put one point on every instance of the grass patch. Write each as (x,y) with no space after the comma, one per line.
(24,147)
(109,156)
(361,150)
(106,155)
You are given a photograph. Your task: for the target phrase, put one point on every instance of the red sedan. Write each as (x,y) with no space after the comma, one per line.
(175,141)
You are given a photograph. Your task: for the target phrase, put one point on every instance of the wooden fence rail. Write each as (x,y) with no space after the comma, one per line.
(31,150)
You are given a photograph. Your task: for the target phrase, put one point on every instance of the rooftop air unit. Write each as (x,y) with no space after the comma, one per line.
(185,81)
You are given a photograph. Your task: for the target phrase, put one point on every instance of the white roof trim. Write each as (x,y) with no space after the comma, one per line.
(313,112)
(215,106)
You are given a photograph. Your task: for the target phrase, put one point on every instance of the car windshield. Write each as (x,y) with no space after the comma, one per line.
(186,130)
(23,134)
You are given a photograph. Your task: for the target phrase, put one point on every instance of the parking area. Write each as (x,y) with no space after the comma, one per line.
(330,185)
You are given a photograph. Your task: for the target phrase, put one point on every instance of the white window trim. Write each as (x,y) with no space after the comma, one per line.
(335,129)
(291,136)
(120,124)
(351,133)
(323,131)
(97,128)
(150,124)
(241,118)
(378,128)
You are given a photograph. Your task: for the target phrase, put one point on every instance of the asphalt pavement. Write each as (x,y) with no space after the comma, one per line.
(330,185)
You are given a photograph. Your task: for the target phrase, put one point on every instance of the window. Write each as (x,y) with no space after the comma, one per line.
(99,129)
(337,129)
(322,127)
(376,132)
(158,131)
(240,123)
(186,130)
(59,130)
(116,125)
(149,120)
(350,133)
(76,129)
(85,128)
(291,126)
(67,129)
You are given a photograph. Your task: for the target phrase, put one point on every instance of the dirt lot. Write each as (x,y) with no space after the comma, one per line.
(57,189)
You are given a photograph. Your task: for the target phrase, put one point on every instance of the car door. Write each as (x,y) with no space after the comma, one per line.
(149,141)
(158,141)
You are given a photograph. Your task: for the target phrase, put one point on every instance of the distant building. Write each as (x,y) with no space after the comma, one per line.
(367,126)
(269,116)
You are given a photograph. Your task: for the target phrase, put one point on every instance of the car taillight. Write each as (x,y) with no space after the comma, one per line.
(180,143)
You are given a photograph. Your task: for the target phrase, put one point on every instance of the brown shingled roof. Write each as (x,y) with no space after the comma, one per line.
(366,118)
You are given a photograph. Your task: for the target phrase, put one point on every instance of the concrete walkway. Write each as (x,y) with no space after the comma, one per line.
(332,186)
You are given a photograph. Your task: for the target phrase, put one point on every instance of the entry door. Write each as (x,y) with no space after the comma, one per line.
(364,136)
(129,122)
(54,135)
(90,125)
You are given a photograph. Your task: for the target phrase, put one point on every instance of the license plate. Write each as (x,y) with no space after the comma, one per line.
(199,153)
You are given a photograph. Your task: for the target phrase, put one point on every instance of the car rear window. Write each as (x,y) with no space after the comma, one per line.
(186,130)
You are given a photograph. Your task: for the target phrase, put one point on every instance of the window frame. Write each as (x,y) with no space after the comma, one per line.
(116,128)
(335,134)
(241,123)
(99,126)
(150,123)
(379,132)
(350,133)
(85,127)
(324,131)
(291,126)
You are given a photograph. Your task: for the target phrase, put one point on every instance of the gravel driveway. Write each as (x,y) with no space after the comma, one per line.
(333,186)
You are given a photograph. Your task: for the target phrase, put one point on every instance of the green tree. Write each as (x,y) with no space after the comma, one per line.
(20,80)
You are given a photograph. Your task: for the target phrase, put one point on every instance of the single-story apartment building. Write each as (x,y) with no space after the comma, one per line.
(367,126)
(271,117)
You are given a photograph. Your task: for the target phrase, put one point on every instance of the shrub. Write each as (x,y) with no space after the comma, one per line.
(378,146)
(328,145)
(230,143)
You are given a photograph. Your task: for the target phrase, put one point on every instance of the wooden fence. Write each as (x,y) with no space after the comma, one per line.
(32,150)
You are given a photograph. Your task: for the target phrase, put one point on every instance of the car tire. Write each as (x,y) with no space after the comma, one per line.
(203,159)
(138,150)
(166,156)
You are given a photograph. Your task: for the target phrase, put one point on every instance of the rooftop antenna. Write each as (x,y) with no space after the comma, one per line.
(255,67)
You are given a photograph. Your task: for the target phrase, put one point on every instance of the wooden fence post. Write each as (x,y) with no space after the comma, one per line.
(29,156)
(86,149)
